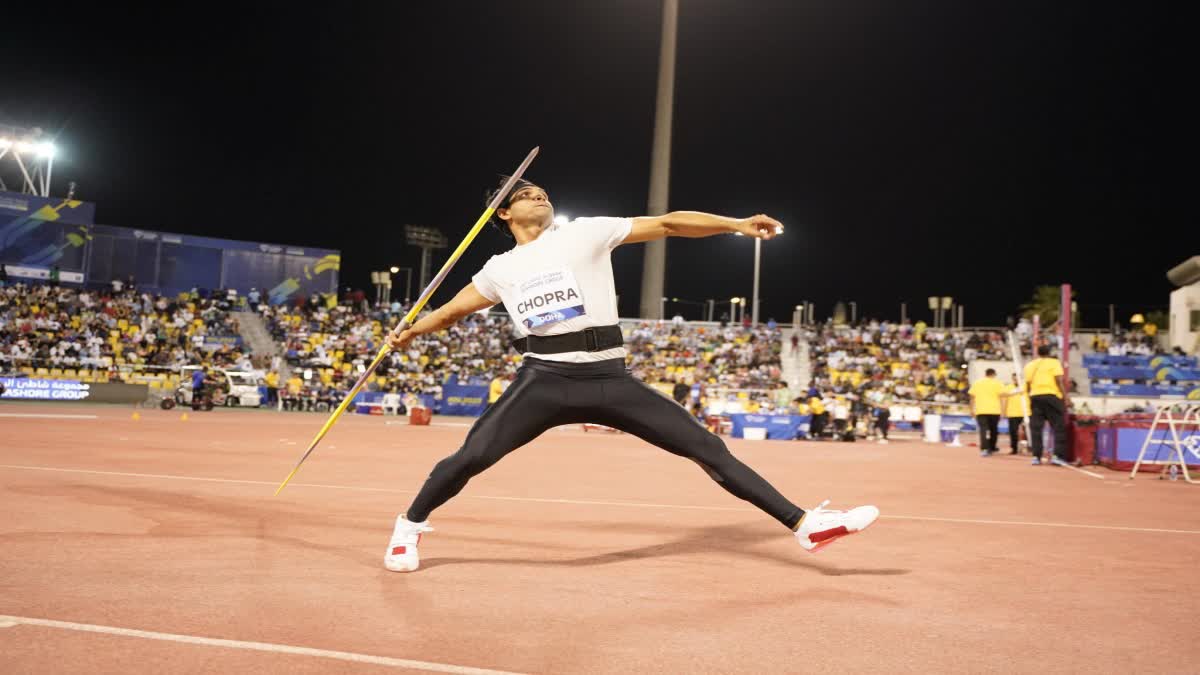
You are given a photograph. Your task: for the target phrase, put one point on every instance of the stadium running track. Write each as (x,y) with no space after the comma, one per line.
(155,545)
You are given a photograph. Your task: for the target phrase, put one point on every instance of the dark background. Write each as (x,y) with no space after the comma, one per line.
(972,149)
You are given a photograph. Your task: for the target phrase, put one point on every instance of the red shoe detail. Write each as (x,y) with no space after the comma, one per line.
(818,537)
(399,550)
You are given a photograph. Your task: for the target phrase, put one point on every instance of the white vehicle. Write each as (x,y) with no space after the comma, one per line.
(241,386)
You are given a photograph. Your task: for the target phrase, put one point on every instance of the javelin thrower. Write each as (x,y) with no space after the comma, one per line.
(557,284)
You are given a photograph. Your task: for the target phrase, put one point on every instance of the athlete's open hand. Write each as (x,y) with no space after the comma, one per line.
(763,227)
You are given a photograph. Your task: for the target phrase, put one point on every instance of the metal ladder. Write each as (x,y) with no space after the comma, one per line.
(1175,417)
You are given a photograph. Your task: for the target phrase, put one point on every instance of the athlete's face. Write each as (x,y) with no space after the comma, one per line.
(529,206)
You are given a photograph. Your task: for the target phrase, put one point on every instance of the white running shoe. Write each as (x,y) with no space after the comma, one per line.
(402,553)
(821,527)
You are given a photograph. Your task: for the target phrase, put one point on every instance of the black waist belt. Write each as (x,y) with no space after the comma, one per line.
(587,340)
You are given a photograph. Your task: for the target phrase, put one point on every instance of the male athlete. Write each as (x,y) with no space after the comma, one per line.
(557,284)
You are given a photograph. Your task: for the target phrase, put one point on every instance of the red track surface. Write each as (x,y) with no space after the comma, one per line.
(580,553)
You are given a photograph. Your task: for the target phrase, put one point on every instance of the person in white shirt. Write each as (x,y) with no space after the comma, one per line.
(391,403)
(557,285)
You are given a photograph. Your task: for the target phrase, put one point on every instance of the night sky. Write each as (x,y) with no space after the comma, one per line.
(972,149)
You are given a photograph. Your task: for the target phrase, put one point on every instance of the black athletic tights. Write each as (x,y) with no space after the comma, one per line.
(548,394)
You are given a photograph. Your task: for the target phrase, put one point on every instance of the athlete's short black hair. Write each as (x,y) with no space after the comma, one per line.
(521,184)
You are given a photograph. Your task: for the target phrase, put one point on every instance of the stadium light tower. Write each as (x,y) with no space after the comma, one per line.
(31,153)
(427,239)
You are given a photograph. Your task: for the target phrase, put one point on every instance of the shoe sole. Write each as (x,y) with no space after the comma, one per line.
(817,548)
(398,568)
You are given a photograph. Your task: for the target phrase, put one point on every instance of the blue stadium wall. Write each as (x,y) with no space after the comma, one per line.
(37,233)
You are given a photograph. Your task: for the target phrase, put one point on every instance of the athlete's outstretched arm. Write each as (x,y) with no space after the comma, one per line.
(697,224)
(468,300)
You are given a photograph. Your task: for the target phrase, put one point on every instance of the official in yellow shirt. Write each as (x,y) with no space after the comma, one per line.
(1016,409)
(816,425)
(1044,380)
(495,390)
(986,394)
(272,381)
(291,399)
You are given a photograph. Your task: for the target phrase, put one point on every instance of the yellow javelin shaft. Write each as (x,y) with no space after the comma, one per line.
(411,317)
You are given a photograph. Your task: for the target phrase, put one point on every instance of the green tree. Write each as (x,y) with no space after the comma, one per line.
(1046,303)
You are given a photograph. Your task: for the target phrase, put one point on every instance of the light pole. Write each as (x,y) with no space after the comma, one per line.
(654,261)
(853,312)
(757,268)
(407,281)
(733,303)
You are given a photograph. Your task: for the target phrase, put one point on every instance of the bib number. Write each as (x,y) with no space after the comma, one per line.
(549,297)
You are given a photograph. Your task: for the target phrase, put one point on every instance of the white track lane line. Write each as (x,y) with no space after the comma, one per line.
(250,646)
(585,502)
(51,416)
(1085,472)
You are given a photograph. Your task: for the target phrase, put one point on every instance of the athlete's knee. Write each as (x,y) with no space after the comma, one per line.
(712,452)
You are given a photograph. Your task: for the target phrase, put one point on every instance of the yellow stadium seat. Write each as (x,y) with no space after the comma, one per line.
(42,371)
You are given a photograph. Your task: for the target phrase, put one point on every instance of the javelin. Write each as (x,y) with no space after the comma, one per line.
(411,317)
